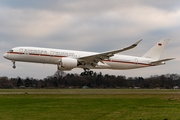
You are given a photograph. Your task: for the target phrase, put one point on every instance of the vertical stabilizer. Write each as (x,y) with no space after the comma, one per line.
(156,51)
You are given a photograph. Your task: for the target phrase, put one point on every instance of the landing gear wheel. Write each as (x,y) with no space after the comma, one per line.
(14,67)
(90,72)
(82,74)
(86,72)
(14,64)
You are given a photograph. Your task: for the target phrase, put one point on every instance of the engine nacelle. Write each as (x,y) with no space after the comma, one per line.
(67,63)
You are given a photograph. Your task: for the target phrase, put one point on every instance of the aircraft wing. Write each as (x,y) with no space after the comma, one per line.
(94,59)
(161,61)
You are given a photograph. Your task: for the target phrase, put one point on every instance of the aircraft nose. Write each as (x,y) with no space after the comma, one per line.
(5,55)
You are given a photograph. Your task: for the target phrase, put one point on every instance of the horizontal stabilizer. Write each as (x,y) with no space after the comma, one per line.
(160,62)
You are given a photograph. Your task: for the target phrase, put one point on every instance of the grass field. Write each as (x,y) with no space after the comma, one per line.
(89,104)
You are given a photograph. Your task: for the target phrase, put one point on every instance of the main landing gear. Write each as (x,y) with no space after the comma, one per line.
(14,64)
(87,72)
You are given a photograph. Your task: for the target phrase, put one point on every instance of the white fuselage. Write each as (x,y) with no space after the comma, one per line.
(53,56)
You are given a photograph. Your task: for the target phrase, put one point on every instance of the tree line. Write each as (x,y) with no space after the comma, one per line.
(97,80)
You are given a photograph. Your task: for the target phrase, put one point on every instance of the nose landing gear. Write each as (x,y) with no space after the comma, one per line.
(14,64)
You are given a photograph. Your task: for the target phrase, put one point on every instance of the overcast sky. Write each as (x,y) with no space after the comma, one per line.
(95,25)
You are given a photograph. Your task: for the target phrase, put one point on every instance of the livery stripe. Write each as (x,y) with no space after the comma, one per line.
(46,55)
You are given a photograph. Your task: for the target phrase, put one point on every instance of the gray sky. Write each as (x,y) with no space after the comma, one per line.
(95,25)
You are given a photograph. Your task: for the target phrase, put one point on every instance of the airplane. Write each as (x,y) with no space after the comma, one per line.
(68,59)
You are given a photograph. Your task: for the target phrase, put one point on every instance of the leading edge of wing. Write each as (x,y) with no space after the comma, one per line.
(123,49)
(101,56)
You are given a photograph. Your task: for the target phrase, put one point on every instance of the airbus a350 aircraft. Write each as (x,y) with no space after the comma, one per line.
(69,59)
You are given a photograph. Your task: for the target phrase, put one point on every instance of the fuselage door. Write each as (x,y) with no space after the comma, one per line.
(21,51)
(136,61)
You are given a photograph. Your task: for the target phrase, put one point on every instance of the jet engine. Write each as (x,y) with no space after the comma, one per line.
(67,63)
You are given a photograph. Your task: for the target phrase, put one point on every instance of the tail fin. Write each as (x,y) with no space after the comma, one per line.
(156,51)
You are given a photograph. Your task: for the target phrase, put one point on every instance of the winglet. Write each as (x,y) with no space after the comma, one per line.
(132,46)
(135,44)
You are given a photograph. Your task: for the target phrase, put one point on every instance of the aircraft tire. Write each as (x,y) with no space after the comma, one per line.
(82,74)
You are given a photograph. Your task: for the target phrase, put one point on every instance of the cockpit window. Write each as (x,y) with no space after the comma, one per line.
(10,50)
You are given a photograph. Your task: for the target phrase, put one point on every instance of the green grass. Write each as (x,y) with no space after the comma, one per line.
(79,104)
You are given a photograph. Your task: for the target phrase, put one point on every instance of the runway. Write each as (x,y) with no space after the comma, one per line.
(89,91)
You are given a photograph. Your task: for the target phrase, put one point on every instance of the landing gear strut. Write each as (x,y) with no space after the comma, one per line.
(86,72)
(14,64)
